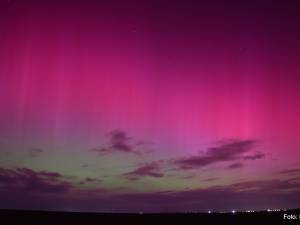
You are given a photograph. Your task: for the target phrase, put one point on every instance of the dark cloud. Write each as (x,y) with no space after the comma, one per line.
(274,185)
(290,171)
(89,180)
(235,166)
(294,179)
(210,179)
(119,141)
(150,170)
(224,152)
(255,156)
(27,180)
(24,180)
(34,152)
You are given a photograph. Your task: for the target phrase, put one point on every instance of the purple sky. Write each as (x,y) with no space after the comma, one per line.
(149,105)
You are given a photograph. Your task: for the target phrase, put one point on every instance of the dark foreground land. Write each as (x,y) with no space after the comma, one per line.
(9,217)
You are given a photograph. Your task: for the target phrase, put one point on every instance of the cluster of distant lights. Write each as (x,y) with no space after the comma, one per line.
(248,211)
(234,211)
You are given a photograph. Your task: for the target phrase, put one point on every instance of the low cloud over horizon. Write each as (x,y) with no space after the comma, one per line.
(54,191)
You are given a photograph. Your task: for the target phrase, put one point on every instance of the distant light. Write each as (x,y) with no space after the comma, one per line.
(233,211)
(250,211)
(209,211)
(274,210)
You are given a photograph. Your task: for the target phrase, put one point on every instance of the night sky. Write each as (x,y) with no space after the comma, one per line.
(154,106)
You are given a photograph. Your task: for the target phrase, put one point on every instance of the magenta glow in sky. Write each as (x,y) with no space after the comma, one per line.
(169,105)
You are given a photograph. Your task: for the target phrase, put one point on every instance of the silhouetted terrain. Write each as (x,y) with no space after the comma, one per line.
(9,217)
